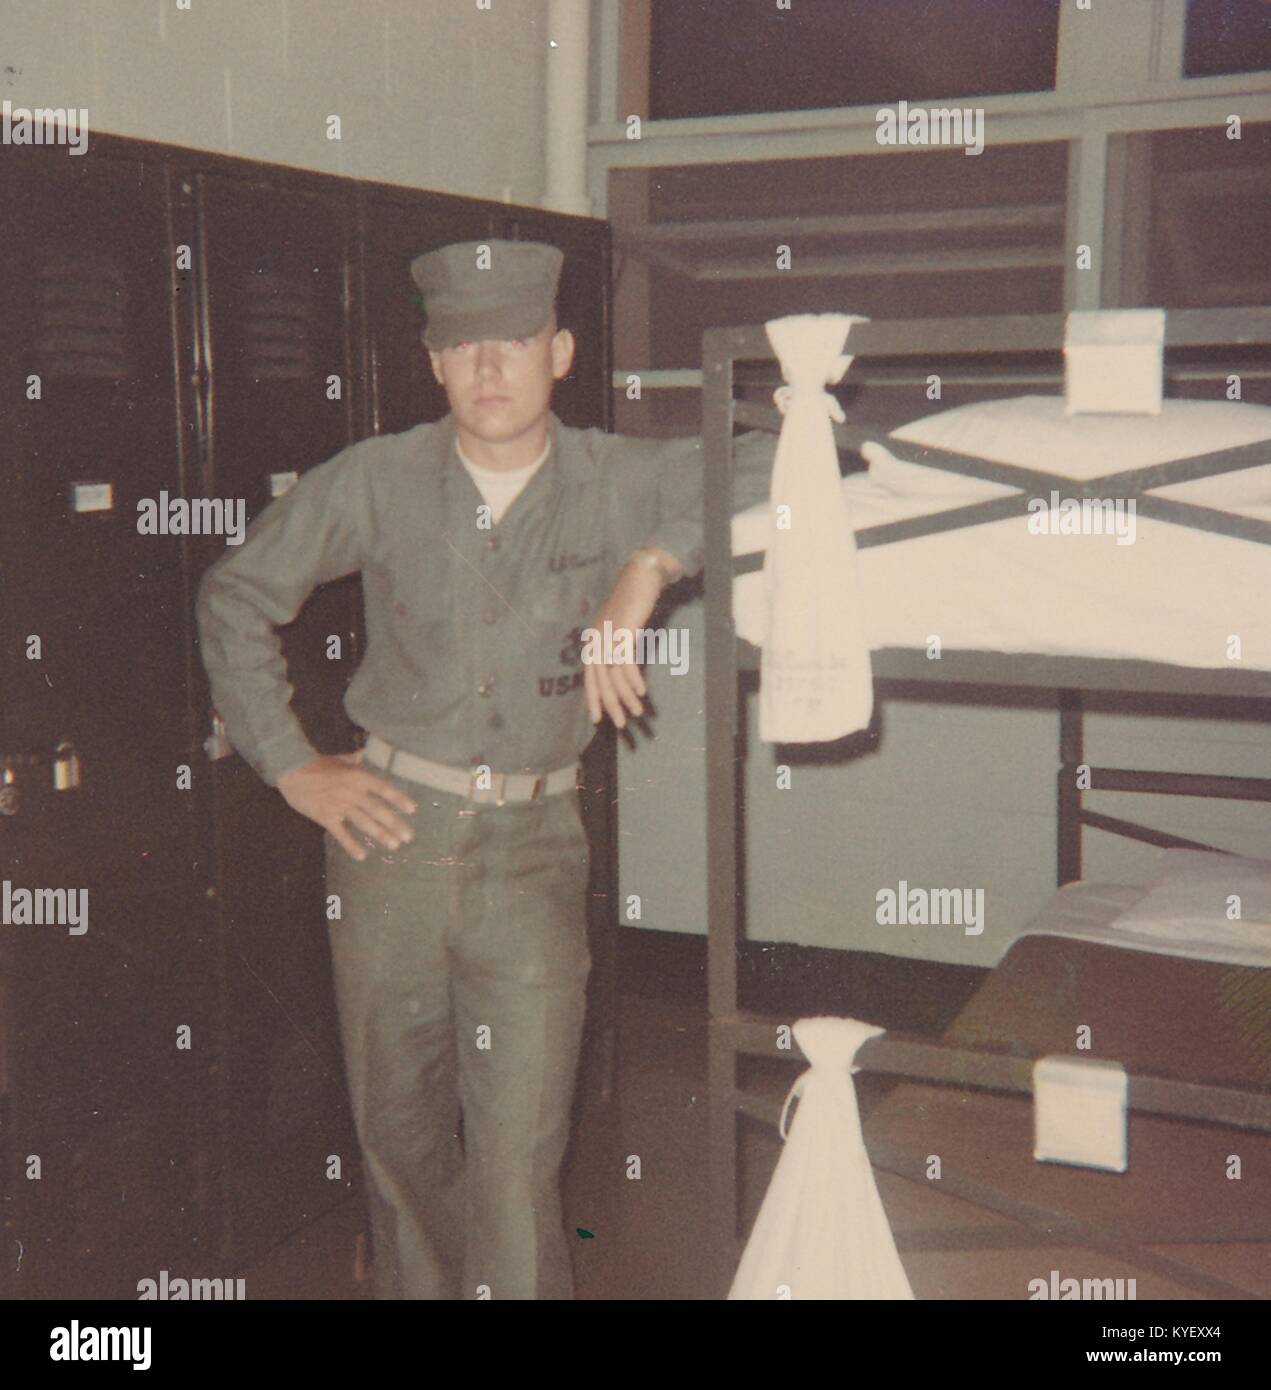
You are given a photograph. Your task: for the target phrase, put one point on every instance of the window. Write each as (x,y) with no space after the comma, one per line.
(1225,36)
(715,59)
(1199,259)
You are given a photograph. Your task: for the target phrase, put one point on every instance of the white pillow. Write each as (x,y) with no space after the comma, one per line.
(1189,897)
(1034,432)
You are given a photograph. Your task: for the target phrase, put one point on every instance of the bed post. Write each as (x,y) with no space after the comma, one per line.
(721,797)
(1071,754)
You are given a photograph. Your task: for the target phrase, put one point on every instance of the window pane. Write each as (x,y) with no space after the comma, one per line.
(929,233)
(1227,36)
(1199,256)
(714,59)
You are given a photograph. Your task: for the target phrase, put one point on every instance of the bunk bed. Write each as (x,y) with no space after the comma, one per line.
(996,1213)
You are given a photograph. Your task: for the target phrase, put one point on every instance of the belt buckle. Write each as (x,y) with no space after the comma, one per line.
(498,785)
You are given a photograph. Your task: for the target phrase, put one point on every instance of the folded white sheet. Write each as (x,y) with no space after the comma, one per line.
(1176,595)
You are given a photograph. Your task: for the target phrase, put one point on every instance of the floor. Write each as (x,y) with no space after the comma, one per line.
(638,1237)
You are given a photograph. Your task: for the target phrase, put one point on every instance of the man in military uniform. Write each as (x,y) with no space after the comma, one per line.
(486,541)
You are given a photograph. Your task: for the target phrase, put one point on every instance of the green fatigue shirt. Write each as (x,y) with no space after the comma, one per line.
(473,631)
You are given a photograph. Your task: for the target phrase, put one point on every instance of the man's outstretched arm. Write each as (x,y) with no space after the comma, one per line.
(680,480)
(661,528)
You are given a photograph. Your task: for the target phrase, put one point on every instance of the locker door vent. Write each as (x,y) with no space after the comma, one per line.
(82,318)
(281,325)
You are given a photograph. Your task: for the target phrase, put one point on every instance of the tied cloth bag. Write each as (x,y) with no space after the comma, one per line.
(822,1231)
(815,682)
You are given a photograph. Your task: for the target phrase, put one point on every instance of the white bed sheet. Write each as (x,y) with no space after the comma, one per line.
(1087,911)
(1176,595)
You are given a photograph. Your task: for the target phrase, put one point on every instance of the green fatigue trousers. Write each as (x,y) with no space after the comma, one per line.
(460,965)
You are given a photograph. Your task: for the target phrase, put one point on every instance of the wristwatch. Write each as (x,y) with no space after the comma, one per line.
(651,560)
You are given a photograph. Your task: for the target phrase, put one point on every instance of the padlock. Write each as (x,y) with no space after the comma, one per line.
(10,796)
(66,771)
(217,744)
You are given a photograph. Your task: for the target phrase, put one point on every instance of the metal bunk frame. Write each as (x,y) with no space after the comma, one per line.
(733,1033)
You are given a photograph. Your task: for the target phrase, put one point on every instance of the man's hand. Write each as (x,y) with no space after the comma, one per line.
(616,688)
(334,789)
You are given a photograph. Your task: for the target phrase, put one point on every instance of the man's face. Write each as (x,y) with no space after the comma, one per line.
(499,391)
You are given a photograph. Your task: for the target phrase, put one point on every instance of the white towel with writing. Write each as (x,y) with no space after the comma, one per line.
(815,681)
(822,1232)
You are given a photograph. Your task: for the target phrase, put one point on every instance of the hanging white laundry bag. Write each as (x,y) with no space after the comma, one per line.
(815,678)
(822,1231)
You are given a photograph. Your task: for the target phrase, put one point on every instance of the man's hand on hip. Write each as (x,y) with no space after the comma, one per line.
(617,687)
(336,789)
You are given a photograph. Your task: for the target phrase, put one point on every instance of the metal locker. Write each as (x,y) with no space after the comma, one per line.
(98,607)
(95,738)
(280,390)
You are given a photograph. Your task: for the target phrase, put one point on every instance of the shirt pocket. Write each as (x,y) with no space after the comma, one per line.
(566,600)
(562,607)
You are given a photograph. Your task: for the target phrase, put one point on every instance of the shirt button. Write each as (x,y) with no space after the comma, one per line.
(495,721)
(486,687)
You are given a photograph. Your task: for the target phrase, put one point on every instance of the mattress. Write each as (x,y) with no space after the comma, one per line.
(1159,1015)
(1171,920)
(1175,595)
